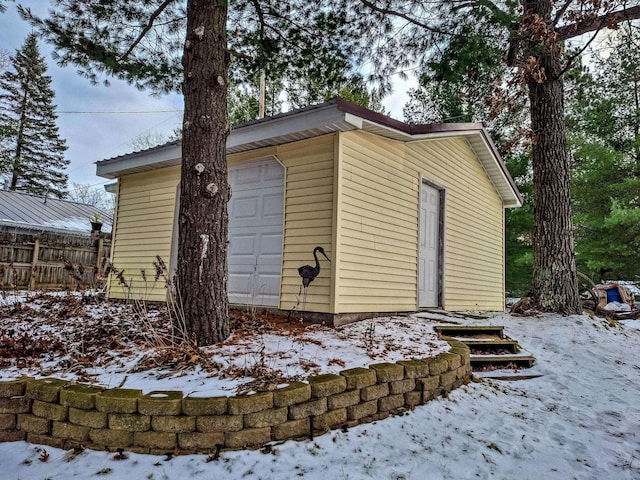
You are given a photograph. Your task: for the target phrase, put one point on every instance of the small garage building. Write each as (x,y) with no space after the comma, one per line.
(411,216)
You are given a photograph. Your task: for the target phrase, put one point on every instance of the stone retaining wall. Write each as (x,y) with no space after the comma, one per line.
(64,415)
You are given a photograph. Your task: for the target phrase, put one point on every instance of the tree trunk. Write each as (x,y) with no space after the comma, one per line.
(555,286)
(204,192)
(15,171)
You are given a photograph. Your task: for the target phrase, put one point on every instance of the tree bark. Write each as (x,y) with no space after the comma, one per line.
(554,286)
(204,193)
(15,171)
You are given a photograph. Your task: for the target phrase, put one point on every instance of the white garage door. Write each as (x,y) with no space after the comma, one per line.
(255,232)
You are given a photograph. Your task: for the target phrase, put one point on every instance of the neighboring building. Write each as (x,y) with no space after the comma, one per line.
(411,216)
(25,213)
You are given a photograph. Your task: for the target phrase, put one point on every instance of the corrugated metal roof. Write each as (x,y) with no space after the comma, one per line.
(26,211)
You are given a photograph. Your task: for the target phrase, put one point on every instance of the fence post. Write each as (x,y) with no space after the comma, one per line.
(34,264)
(99,256)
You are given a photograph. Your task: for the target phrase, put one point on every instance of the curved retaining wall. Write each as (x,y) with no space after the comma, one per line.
(64,415)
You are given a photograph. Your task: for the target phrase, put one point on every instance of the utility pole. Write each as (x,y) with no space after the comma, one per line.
(263,87)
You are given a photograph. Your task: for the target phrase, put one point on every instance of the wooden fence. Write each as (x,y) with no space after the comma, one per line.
(52,261)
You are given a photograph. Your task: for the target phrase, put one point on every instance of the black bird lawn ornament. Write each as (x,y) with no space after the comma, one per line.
(309,273)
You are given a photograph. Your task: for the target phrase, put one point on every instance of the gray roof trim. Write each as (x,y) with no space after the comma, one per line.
(480,142)
(157,157)
(336,115)
(21,227)
(324,118)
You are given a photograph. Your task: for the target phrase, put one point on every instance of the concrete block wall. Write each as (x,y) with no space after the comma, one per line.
(58,413)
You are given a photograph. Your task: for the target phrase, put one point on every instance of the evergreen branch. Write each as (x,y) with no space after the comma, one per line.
(595,24)
(299,25)
(147,27)
(492,7)
(404,16)
(3,7)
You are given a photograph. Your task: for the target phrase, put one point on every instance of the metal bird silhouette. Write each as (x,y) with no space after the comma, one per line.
(309,273)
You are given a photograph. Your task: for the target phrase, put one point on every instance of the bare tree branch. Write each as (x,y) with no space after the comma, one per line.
(238,54)
(147,27)
(578,54)
(603,21)
(561,11)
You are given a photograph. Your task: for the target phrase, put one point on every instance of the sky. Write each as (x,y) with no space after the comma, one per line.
(94,135)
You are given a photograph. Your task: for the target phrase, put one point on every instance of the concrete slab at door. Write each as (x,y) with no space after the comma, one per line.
(256,216)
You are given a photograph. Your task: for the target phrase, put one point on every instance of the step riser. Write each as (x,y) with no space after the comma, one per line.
(463,331)
(477,364)
(482,344)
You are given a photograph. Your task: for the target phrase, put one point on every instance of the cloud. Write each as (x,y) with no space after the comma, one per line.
(96,136)
(93,136)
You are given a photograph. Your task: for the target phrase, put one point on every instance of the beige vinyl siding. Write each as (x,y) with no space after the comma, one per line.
(378,226)
(474,223)
(357,196)
(308,219)
(377,229)
(144,229)
(146,206)
(308,216)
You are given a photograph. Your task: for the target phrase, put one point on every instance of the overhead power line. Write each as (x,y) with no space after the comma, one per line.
(121,112)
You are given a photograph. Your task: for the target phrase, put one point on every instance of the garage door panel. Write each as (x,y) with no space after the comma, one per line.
(245,208)
(272,206)
(243,264)
(267,280)
(238,283)
(241,244)
(255,232)
(272,171)
(271,244)
(250,290)
(246,176)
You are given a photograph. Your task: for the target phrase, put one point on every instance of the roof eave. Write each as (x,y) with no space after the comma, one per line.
(305,123)
(43,228)
(139,161)
(479,140)
(333,116)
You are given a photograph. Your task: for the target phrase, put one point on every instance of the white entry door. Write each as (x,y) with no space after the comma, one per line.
(428,271)
(255,232)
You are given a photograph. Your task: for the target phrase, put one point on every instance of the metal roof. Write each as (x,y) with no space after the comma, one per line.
(336,115)
(24,211)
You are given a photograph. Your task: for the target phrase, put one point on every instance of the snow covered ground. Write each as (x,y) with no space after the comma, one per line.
(90,340)
(579,420)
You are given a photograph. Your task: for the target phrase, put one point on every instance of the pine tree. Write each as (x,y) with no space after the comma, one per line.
(536,32)
(168,45)
(148,43)
(604,120)
(31,150)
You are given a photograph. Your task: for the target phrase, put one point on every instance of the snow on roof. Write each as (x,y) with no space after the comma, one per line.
(33,212)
